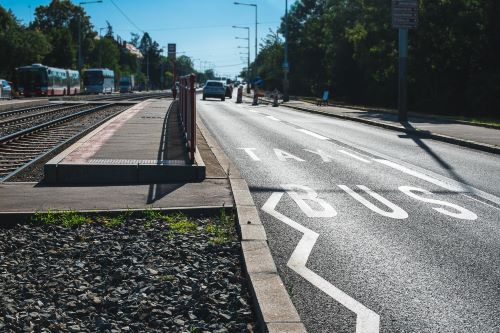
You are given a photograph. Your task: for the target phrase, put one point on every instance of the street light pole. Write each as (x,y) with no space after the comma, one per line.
(286,66)
(248,54)
(100,47)
(256,23)
(80,62)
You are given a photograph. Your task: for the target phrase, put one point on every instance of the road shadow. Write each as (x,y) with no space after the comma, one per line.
(442,163)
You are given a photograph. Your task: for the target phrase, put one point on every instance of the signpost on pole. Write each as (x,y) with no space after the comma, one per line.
(171,48)
(404,17)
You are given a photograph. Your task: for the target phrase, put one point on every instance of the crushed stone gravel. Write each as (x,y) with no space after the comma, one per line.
(138,276)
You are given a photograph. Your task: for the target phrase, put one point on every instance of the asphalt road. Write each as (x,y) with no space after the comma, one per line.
(371,230)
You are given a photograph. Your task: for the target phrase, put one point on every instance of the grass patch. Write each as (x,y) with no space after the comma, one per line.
(67,219)
(222,229)
(112,221)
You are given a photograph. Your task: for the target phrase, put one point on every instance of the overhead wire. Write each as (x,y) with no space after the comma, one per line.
(125,15)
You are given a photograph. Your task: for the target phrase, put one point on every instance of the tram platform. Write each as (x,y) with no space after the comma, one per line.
(141,145)
(12,104)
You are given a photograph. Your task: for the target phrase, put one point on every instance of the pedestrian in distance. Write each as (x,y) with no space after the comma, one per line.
(174,91)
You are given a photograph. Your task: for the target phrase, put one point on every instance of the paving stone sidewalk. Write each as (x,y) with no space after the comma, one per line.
(425,125)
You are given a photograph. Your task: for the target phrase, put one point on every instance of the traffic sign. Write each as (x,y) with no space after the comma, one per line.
(171,50)
(404,14)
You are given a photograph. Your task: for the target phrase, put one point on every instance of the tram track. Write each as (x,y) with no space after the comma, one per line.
(31,147)
(24,118)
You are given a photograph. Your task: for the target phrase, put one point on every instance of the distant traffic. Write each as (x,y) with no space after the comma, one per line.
(41,80)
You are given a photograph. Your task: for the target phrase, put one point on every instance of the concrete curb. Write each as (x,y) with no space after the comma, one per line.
(423,134)
(275,310)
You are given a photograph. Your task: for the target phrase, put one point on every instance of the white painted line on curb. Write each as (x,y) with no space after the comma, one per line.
(354,156)
(367,321)
(272,118)
(317,136)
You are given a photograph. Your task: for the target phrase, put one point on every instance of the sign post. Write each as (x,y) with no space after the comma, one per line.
(404,17)
(171,48)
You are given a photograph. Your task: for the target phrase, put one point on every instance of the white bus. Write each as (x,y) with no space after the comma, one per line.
(98,80)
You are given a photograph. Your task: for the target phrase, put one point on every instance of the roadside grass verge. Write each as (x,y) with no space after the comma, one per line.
(219,229)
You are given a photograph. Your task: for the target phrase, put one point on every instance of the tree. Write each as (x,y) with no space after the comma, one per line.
(269,60)
(59,22)
(350,47)
(184,66)
(20,46)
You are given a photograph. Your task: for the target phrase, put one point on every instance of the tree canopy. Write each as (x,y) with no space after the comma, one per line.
(351,48)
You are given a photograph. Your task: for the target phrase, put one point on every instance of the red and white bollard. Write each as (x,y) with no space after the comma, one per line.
(239,97)
(255,97)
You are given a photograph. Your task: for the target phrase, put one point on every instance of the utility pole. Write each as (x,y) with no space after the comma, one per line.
(286,66)
(256,23)
(404,17)
(248,54)
(80,60)
(100,47)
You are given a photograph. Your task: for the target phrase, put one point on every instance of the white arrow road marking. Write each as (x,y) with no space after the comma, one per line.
(250,153)
(273,118)
(354,156)
(317,136)
(367,321)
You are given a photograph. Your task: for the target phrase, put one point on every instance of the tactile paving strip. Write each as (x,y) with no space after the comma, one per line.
(105,161)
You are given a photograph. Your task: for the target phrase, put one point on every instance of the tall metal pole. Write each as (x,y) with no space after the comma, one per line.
(248,64)
(79,44)
(286,67)
(255,33)
(100,47)
(80,62)
(403,70)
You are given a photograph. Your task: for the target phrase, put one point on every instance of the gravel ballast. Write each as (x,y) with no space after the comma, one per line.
(151,273)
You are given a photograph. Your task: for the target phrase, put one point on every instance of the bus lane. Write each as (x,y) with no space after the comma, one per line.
(363,243)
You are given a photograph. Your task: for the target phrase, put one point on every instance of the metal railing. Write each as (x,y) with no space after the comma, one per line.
(187,110)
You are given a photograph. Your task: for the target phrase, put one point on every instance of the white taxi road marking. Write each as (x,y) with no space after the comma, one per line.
(273,118)
(250,153)
(317,136)
(354,156)
(367,321)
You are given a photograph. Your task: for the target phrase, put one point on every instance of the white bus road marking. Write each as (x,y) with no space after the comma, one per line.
(354,156)
(272,118)
(448,185)
(367,321)
(317,136)
(250,153)
(395,213)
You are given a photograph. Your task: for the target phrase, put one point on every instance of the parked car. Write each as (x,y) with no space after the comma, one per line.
(214,89)
(5,89)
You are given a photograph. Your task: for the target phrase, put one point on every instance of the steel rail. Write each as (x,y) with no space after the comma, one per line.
(51,123)
(59,145)
(10,122)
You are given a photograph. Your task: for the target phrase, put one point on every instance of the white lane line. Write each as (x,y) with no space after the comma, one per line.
(317,136)
(250,153)
(354,156)
(458,187)
(272,118)
(367,321)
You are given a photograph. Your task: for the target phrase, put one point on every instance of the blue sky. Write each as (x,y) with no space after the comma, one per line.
(201,28)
